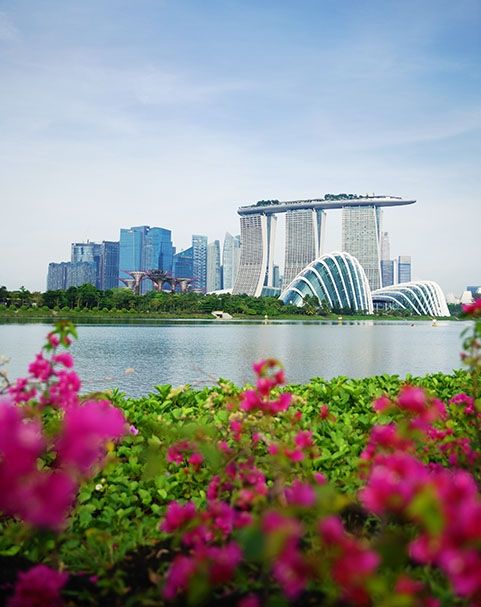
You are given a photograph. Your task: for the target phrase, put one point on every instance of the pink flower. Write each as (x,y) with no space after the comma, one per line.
(300,494)
(319,478)
(251,600)
(53,340)
(236,429)
(41,368)
(473,309)
(281,404)
(303,439)
(381,404)
(40,586)
(133,430)
(46,498)
(85,432)
(250,400)
(412,399)
(177,515)
(295,455)
(64,358)
(291,571)
(223,562)
(178,576)
(324,412)
(195,460)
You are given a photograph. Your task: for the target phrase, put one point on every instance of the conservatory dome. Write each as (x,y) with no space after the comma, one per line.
(336,279)
(423,297)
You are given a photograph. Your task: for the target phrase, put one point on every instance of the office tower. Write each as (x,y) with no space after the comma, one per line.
(276,283)
(387,264)
(360,238)
(199,255)
(108,277)
(256,253)
(57,276)
(159,251)
(81,273)
(404,268)
(131,247)
(87,252)
(183,265)
(144,248)
(230,260)
(304,240)
(213,267)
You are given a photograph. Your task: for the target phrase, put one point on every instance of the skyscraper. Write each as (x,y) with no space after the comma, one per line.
(145,248)
(257,253)
(404,268)
(183,266)
(387,264)
(304,240)
(230,260)
(108,277)
(57,276)
(199,260)
(360,238)
(213,282)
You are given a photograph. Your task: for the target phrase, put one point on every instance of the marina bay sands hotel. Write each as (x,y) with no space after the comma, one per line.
(305,233)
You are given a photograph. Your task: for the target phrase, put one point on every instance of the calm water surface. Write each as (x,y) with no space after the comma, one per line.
(136,357)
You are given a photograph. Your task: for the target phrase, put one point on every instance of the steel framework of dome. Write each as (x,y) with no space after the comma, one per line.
(422,297)
(336,279)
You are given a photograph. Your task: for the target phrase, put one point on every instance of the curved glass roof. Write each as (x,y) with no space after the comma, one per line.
(423,297)
(337,280)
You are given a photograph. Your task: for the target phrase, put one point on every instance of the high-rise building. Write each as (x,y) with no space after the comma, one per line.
(57,276)
(230,260)
(361,239)
(387,264)
(145,248)
(277,282)
(304,232)
(199,260)
(81,273)
(304,240)
(108,274)
(256,254)
(213,267)
(404,269)
(183,266)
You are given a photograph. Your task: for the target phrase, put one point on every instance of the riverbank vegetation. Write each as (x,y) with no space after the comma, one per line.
(337,493)
(86,301)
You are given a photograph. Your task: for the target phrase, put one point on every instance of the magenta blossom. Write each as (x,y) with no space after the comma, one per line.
(40,586)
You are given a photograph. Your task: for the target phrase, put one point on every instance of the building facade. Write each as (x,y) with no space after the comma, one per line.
(304,240)
(230,260)
(422,297)
(183,265)
(361,239)
(108,271)
(199,262)
(213,280)
(404,268)
(256,254)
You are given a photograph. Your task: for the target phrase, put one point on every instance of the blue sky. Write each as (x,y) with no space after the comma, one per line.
(172,112)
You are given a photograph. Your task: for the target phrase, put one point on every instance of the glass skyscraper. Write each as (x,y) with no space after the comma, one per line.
(404,268)
(145,248)
(183,266)
(230,260)
(199,255)
(213,267)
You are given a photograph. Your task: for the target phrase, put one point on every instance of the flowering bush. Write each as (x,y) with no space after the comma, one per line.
(270,517)
(50,443)
(257,491)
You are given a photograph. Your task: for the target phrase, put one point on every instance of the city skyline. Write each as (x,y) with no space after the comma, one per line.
(174,114)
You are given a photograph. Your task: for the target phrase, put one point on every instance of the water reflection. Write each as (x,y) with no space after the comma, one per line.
(136,356)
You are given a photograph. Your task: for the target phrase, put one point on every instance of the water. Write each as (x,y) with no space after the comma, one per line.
(136,357)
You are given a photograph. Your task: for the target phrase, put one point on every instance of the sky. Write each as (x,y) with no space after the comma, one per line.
(172,113)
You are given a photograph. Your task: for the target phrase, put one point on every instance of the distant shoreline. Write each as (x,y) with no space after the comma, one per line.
(79,315)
